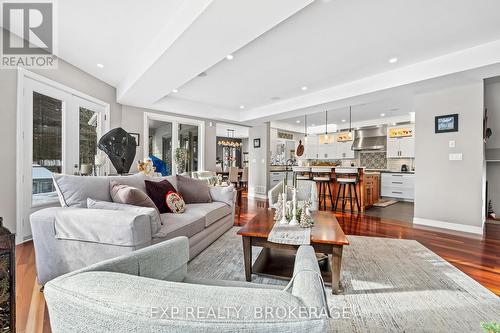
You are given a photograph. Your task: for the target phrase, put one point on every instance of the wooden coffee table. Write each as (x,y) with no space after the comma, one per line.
(277,260)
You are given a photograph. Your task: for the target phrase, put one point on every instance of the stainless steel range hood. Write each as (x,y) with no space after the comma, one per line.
(370,138)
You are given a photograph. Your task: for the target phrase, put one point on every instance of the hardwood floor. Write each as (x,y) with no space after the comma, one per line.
(475,256)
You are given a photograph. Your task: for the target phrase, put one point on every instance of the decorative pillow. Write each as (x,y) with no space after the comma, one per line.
(158,191)
(175,202)
(129,195)
(193,190)
(155,217)
(223,194)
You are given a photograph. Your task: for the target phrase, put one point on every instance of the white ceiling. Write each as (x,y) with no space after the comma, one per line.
(338,49)
(239,131)
(330,43)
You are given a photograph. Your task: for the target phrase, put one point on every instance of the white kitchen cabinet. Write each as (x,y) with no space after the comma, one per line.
(344,150)
(401,146)
(398,185)
(311,147)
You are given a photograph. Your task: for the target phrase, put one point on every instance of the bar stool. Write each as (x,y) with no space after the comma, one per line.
(347,177)
(302,173)
(323,178)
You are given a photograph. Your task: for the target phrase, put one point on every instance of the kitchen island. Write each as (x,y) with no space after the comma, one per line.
(368,187)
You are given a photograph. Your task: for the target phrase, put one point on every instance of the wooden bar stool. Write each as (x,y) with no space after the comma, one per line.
(347,177)
(322,176)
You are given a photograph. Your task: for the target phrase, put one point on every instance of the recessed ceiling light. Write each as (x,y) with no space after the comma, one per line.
(175,90)
(100,65)
(298,121)
(303,88)
(242,107)
(343,120)
(382,114)
(229,57)
(313,125)
(394,124)
(393,60)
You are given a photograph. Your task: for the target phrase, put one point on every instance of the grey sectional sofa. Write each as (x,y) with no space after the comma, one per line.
(72,237)
(150,291)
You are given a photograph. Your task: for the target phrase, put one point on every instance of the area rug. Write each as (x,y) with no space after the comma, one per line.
(390,285)
(385,203)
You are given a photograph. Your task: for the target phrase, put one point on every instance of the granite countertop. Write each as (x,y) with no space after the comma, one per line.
(397,171)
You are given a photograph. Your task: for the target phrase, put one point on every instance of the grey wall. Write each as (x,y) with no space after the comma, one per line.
(259,160)
(492,103)
(450,191)
(65,74)
(133,121)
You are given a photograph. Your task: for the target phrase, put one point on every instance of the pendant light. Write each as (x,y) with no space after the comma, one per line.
(305,128)
(350,124)
(326,126)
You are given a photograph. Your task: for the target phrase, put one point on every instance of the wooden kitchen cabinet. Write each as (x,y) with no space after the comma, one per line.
(372,189)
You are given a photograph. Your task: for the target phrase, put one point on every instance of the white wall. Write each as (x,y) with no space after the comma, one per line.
(450,191)
(259,160)
(133,121)
(65,74)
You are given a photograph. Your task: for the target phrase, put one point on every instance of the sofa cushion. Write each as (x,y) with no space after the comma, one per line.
(186,224)
(125,194)
(73,191)
(193,190)
(158,191)
(151,212)
(212,212)
(224,194)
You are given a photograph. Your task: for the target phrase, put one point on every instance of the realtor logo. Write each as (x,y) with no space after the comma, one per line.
(28,34)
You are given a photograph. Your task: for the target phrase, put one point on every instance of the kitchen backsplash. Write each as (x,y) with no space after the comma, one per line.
(373,160)
(395,163)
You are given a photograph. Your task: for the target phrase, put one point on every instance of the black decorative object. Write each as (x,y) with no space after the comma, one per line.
(447,123)
(7,280)
(256,143)
(120,147)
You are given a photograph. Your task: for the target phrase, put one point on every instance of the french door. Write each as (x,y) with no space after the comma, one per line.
(59,134)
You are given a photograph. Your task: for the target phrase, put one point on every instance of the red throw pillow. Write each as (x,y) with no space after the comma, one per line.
(157,191)
(175,202)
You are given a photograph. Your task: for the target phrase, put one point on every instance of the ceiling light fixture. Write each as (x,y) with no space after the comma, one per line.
(100,65)
(393,60)
(175,90)
(242,107)
(229,57)
(343,120)
(350,120)
(298,121)
(382,114)
(304,88)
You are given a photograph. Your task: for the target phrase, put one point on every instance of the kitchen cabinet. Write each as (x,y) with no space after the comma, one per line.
(326,147)
(344,150)
(277,176)
(403,146)
(311,147)
(398,185)
(372,189)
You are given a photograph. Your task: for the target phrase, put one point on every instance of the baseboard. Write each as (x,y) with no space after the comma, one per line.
(448,225)
(257,196)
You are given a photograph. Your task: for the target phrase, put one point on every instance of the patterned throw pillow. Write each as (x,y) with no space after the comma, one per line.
(175,202)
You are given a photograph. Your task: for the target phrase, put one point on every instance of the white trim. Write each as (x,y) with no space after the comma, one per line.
(258,196)
(22,75)
(175,120)
(448,225)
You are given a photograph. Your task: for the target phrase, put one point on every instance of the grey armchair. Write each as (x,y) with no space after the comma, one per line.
(149,290)
(306,189)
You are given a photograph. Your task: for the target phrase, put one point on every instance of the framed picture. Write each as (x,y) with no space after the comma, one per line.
(136,136)
(256,143)
(447,123)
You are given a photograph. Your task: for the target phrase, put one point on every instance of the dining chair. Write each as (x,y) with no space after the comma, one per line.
(234,176)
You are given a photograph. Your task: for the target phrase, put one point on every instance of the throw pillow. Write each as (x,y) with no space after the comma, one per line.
(158,191)
(175,203)
(193,190)
(151,212)
(129,195)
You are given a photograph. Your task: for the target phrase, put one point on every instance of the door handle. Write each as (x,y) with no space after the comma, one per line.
(397,192)
(397,182)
